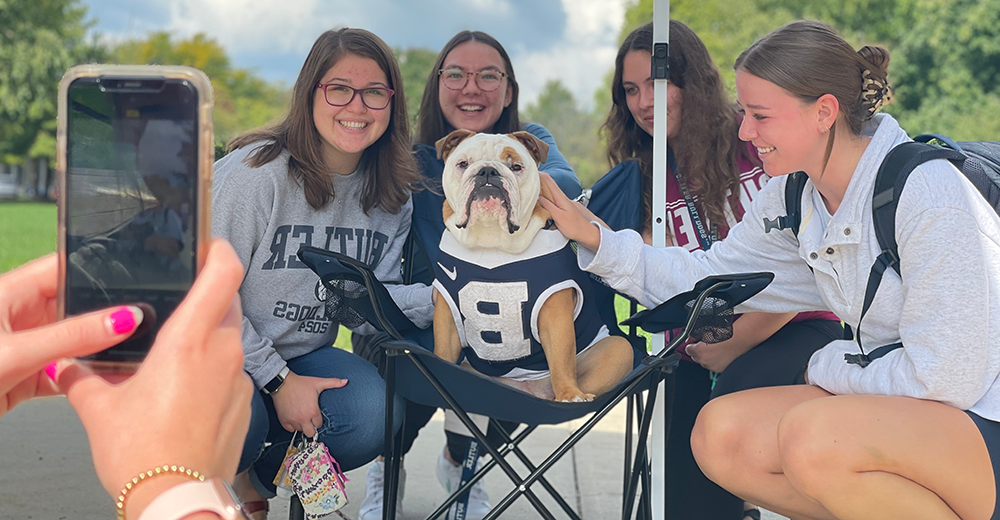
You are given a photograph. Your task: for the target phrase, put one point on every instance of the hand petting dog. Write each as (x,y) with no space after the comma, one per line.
(573,219)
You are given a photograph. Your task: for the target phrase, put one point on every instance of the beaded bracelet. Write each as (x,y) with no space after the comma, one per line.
(147,475)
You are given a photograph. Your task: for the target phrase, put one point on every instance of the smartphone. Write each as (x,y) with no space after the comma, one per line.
(134,162)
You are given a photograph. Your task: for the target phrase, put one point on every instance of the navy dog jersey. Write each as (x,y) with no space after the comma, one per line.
(495,298)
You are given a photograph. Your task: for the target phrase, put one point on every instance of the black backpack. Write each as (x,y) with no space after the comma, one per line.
(978,161)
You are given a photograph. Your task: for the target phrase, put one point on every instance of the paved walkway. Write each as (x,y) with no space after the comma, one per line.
(46,470)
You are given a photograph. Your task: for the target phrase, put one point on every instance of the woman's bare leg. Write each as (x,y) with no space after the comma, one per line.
(735,442)
(803,453)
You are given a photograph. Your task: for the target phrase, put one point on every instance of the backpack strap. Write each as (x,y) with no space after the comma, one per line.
(890,180)
(926,138)
(795,184)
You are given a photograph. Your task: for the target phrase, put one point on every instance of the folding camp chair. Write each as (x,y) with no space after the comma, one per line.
(418,375)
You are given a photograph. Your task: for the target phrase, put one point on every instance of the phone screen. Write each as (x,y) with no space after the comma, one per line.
(131,199)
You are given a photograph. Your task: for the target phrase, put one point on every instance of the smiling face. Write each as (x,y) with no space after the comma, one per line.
(780,125)
(348,130)
(471,108)
(638,86)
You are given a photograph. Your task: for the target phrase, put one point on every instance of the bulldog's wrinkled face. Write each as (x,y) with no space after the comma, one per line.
(491,185)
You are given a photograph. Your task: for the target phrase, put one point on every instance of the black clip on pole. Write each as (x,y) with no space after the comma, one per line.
(660,61)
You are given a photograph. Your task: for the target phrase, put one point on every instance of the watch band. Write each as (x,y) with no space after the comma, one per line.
(275,383)
(210,496)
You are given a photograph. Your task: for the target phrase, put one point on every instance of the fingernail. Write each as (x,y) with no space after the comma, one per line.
(125,319)
(50,370)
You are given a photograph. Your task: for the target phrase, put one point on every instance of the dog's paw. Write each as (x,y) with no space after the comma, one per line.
(576,397)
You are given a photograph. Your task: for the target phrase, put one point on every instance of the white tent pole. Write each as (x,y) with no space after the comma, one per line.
(660,72)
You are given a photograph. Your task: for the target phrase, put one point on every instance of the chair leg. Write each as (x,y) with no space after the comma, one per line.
(645,511)
(628,447)
(562,449)
(645,499)
(641,465)
(481,437)
(504,450)
(513,447)
(391,450)
(668,412)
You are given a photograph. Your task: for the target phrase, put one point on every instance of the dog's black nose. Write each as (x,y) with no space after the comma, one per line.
(490,175)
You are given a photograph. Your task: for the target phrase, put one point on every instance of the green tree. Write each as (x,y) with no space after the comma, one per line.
(243,100)
(415,64)
(882,21)
(574,129)
(726,28)
(39,40)
(945,70)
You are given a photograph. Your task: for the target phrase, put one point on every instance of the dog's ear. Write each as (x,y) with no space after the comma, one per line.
(538,149)
(448,143)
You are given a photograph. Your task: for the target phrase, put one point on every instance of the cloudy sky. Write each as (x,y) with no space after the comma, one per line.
(570,40)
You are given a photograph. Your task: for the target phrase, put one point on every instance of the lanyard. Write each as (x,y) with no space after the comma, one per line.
(704,237)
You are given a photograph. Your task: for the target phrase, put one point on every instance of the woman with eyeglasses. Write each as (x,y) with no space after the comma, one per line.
(336,173)
(470,87)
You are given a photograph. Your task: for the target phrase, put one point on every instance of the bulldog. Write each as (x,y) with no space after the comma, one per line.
(509,291)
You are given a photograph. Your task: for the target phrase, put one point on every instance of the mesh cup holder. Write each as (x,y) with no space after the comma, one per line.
(715,321)
(342,299)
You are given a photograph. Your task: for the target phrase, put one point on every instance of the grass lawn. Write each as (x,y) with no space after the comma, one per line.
(28,230)
(623,310)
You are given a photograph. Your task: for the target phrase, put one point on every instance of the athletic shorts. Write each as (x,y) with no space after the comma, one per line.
(990,431)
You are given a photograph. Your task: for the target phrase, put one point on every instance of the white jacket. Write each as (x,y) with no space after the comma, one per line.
(945,311)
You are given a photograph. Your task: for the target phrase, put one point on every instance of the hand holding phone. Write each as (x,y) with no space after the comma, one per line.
(30,338)
(189,404)
(134,162)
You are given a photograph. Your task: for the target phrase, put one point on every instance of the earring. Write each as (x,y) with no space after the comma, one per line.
(824,129)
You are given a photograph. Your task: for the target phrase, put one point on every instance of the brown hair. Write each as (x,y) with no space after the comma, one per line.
(809,59)
(431,123)
(707,146)
(391,171)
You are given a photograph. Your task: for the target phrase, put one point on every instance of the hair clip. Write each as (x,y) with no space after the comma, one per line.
(873,92)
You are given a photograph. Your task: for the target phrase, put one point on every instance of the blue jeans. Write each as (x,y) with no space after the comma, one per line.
(353,417)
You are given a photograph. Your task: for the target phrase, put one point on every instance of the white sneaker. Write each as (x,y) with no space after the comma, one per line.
(450,477)
(371,506)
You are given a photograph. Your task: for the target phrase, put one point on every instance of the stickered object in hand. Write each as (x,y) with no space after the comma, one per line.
(318,481)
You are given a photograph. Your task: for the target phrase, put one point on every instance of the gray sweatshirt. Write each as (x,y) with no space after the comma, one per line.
(263,213)
(945,310)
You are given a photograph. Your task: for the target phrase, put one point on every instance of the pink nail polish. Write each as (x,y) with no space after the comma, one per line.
(122,320)
(50,370)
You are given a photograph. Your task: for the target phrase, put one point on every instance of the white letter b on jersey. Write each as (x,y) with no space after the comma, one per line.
(492,311)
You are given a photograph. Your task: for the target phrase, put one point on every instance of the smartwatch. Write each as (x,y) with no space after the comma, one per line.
(210,496)
(274,384)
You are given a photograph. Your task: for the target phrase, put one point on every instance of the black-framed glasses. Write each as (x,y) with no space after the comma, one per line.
(338,95)
(487,80)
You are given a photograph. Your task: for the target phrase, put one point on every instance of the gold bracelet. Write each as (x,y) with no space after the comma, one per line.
(147,475)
